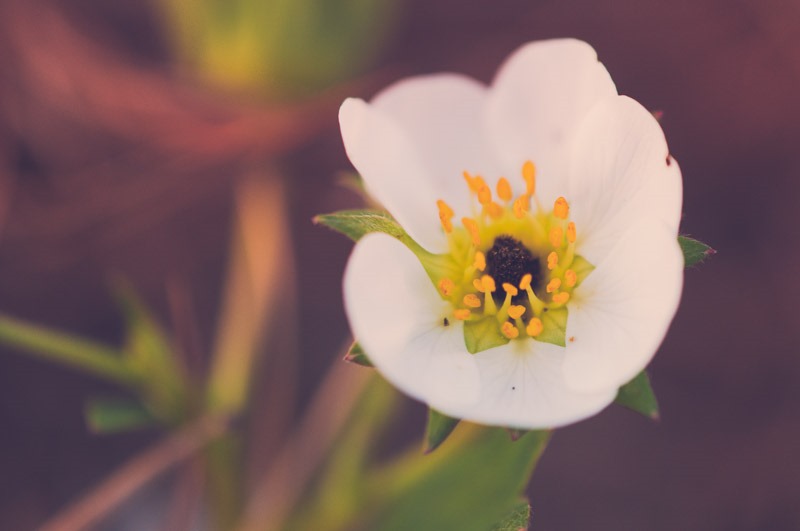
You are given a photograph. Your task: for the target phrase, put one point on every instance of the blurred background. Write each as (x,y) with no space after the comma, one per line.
(171,142)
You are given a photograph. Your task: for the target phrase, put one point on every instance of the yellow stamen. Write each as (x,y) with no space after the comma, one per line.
(484,194)
(571,232)
(477,285)
(570,278)
(515,312)
(445,215)
(561,298)
(504,189)
(529,174)
(462,314)
(472,300)
(509,330)
(488,284)
(521,206)
(561,208)
(552,260)
(553,285)
(473,183)
(535,327)
(510,289)
(556,236)
(494,210)
(472,226)
(525,283)
(480,261)
(446,286)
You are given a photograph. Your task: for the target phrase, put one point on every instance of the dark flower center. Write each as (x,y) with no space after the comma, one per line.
(508,261)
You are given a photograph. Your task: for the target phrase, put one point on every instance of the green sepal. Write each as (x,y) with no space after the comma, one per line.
(516,433)
(439,427)
(694,251)
(518,519)
(355,224)
(116,415)
(555,327)
(482,335)
(637,395)
(357,355)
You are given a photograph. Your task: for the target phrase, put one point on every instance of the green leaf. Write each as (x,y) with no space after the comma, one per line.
(355,224)
(555,327)
(519,519)
(439,427)
(483,335)
(357,355)
(694,251)
(638,396)
(116,415)
(470,486)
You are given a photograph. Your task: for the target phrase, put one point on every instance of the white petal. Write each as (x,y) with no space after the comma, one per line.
(523,386)
(397,317)
(619,315)
(619,174)
(392,170)
(443,114)
(539,96)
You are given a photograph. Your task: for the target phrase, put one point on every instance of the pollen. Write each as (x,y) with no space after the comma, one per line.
(556,236)
(561,208)
(553,285)
(462,314)
(571,232)
(516,311)
(484,194)
(494,210)
(446,286)
(561,297)
(529,174)
(521,206)
(535,327)
(552,260)
(504,189)
(525,283)
(472,226)
(487,283)
(509,330)
(510,289)
(570,278)
(480,261)
(471,300)
(445,215)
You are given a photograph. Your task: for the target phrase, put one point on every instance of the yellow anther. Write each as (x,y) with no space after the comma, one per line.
(504,189)
(494,210)
(445,215)
(561,208)
(480,261)
(570,278)
(509,330)
(475,183)
(515,312)
(521,206)
(556,236)
(525,283)
(553,285)
(552,260)
(571,232)
(529,174)
(462,314)
(477,285)
(446,286)
(534,327)
(487,283)
(561,298)
(472,226)
(472,300)
(484,194)
(510,289)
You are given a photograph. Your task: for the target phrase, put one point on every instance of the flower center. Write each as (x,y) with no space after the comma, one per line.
(510,271)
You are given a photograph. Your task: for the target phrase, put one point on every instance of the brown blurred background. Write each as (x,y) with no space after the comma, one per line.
(112,160)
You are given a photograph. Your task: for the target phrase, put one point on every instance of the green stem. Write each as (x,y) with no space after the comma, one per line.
(88,356)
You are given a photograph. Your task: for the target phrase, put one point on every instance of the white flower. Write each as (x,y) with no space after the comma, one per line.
(561,277)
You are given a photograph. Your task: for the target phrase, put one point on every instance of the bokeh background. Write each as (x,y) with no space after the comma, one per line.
(120,155)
